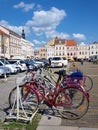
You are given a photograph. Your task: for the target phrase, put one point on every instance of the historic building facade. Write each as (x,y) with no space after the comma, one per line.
(13,45)
(60,48)
(93,49)
(43,52)
(83,51)
(71,48)
(4,42)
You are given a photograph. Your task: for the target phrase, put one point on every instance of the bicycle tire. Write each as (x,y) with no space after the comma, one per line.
(30,103)
(88,85)
(77,108)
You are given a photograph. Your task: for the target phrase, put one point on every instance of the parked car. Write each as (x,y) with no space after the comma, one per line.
(65,61)
(46,62)
(57,62)
(16,66)
(29,64)
(70,59)
(20,63)
(4,71)
(5,63)
(38,61)
(33,63)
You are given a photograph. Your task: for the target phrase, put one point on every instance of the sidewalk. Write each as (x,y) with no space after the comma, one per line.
(54,123)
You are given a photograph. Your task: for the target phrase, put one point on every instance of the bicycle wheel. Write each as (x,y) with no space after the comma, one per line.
(88,83)
(28,98)
(78,105)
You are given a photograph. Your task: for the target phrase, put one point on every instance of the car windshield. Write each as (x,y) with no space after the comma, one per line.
(5,61)
(12,62)
(64,58)
(22,62)
(56,58)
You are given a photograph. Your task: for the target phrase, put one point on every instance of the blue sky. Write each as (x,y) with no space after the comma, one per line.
(43,20)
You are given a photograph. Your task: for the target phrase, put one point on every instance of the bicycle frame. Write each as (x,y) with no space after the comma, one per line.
(53,94)
(36,86)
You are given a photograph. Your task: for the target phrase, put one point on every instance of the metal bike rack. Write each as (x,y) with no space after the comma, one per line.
(15,112)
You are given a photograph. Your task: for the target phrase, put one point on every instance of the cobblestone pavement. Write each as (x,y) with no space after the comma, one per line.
(5,88)
(91,118)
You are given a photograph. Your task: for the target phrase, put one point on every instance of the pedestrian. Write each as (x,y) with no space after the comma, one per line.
(73,63)
(49,62)
(82,61)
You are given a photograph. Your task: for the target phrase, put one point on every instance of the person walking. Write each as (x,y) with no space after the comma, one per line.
(82,61)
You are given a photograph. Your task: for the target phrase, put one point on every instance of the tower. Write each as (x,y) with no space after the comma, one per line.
(23,34)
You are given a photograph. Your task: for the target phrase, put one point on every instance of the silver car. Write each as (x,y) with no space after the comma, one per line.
(20,63)
(12,68)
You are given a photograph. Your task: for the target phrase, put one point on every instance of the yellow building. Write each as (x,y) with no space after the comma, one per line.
(42,52)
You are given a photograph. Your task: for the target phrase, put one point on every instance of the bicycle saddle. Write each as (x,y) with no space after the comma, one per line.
(76,74)
(61,72)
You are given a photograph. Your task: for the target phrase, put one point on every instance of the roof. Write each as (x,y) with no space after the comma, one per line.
(95,43)
(57,41)
(71,43)
(12,32)
(2,32)
(51,42)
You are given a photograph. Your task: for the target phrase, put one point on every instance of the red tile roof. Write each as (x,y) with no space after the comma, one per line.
(71,43)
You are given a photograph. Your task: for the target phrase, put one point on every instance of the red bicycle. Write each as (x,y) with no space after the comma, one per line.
(71,102)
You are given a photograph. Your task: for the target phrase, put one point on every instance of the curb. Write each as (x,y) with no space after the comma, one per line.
(54,123)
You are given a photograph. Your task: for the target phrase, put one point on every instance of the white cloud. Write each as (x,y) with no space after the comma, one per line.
(17,29)
(38,42)
(26,7)
(79,36)
(53,33)
(4,23)
(44,21)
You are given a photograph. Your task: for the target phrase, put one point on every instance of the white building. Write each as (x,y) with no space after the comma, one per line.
(60,50)
(71,48)
(83,51)
(50,51)
(93,49)
(27,49)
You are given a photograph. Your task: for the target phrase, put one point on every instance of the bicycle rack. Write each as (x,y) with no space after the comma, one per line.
(15,112)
